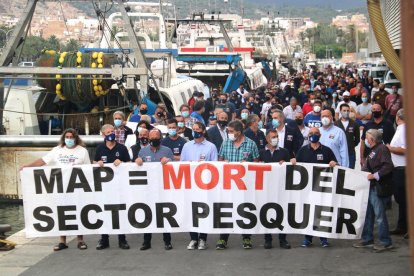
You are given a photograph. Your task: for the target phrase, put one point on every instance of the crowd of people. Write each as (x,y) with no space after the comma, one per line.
(317,116)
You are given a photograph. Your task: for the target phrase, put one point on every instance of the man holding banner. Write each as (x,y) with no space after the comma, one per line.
(111,152)
(315,152)
(198,150)
(272,153)
(155,153)
(237,148)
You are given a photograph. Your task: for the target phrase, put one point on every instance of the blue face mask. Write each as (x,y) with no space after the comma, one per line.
(367,144)
(69,142)
(275,123)
(117,122)
(364,100)
(185,114)
(172,132)
(180,124)
(197,134)
(110,137)
(314,138)
(244,116)
(260,124)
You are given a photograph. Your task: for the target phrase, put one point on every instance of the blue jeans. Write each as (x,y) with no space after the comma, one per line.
(352,159)
(376,213)
(196,236)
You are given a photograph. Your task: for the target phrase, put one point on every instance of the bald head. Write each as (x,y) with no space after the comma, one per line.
(326,113)
(155,134)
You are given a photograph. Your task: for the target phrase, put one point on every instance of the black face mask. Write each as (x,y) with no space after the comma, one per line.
(346,100)
(143,111)
(377,114)
(222,124)
(299,121)
(222,101)
(143,140)
(160,114)
(214,95)
(155,142)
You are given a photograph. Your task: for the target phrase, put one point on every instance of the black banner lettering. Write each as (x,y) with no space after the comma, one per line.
(115,208)
(82,184)
(205,210)
(290,169)
(292,216)
(218,214)
(169,215)
(37,214)
(40,177)
(349,222)
(318,217)
(98,179)
(85,216)
(250,216)
(63,217)
(132,215)
(273,222)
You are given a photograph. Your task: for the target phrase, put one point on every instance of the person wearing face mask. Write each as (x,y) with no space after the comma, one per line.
(132,138)
(334,138)
(155,152)
(244,113)
(304,130)
(351,129)
(142,139)
(173,141)
(121,130)
(185,112)
(379,165)
(272,153)
(347,100)
(238,148)
(143,110)
(227,106)
(214,99)
(380,96)
(377,122)
(183,131)
(199,150)
(315,152)
(253,131)
(393,103)
(266,107)
(218,133)
(111,152)
(363,111)
(335,99)
(289,134)
(313,119)
(308,106)
(70,151)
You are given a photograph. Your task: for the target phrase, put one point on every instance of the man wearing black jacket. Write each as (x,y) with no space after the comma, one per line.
(290,137)
(218,133)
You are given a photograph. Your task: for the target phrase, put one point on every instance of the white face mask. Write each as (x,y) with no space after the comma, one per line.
(326,121)
(232,137)
(317,108)
(274,142)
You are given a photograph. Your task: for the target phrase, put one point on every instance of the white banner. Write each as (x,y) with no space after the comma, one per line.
(206,197)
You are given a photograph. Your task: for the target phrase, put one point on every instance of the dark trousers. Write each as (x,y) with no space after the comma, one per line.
(398,182)
(309,238)
(268,237)
(226,236)
(165,236)
(196,236)
(105,238)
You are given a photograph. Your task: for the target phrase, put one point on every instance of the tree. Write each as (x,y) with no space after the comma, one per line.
(72,46)
(33,47)
(53,43)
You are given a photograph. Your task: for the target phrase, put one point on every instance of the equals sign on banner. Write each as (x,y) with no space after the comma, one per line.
(140,178)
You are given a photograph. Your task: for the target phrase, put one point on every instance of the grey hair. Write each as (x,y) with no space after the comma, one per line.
(376,135)
(400,114)
(282,115)
(120,113)
(105,127)
(251,119)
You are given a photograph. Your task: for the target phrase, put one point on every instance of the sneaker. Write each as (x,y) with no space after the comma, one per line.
(221,244)
(284,244)
(123,245)
(202,245)
(325,243)
(306,243)
(363,244)
(268,245)
(192,245)
(168,246)
(102,245)
(247,244)
(381,248)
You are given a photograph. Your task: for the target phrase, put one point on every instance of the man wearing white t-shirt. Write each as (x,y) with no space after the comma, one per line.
(397,148)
